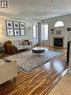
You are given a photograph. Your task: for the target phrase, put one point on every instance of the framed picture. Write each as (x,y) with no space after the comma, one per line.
(10,32)
(58,32)
(16,24)
(16,32)
(22,25)
(9,24)
(22,32)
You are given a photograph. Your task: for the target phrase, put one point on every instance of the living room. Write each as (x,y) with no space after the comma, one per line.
(34,48)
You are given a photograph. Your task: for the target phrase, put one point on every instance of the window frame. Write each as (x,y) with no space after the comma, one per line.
(59,24)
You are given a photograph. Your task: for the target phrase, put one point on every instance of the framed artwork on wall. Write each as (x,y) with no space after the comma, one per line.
(22,32)
(22,25)
(58,32)
(9,24)
(10,32)
(16,24)
(16,32)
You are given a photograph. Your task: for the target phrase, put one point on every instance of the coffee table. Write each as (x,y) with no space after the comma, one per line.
(38,50)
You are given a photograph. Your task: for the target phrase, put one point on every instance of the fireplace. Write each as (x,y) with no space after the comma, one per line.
(58,42)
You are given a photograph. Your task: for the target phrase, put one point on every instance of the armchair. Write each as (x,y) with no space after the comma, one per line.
(9,48)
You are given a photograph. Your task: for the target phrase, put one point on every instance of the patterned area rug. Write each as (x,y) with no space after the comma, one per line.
(28,61)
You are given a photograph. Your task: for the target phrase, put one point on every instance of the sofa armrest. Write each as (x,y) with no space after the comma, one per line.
(8,70)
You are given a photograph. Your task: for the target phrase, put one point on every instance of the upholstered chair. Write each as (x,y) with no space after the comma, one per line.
(9,48)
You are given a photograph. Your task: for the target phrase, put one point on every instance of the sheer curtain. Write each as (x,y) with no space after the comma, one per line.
(44,33)
(35,34)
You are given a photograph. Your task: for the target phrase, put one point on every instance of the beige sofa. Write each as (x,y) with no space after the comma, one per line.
(8,71)
(19,45)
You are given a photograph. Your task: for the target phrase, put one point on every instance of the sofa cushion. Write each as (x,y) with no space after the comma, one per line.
(27,46)
(21,41)
(20,47)
(26,42)
(16,42)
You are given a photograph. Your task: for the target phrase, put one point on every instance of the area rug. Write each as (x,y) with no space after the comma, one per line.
(27,61)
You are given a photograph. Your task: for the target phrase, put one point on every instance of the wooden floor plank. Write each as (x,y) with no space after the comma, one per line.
(38,82)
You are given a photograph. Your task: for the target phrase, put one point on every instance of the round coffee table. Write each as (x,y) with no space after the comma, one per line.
(38,50)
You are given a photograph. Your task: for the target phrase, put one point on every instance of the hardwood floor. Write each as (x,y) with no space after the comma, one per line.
(37,82)
(63,87)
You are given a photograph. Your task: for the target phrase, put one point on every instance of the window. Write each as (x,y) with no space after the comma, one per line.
(45,32)
(59,24)
(34,31)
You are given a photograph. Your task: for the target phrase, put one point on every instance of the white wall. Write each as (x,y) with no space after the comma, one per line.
(28,30)
(67,23)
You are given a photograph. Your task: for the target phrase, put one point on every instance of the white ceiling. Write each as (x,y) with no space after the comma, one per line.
(37,9)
